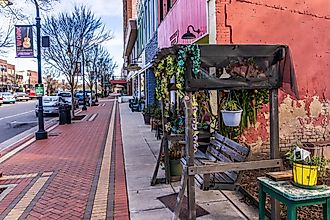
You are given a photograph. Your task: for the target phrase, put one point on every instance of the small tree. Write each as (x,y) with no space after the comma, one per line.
(10,14)
(72,35)
(101,65)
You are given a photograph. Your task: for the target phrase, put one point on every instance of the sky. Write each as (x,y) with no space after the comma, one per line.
(110,12)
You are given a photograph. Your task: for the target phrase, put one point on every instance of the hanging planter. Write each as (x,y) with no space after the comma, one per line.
(231,118)
(232,113)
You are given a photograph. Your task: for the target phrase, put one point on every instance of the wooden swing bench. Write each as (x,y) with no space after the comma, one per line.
(221,150)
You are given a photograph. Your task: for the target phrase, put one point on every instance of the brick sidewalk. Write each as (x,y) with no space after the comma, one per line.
(68,176)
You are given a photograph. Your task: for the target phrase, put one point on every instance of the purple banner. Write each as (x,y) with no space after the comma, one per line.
(24,41)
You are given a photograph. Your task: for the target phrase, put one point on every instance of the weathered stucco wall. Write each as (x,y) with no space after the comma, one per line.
(303,25)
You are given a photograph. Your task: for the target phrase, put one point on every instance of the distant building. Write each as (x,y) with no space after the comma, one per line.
(7,77)
(28,78)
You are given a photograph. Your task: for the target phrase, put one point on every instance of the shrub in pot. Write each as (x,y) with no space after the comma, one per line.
(147,112)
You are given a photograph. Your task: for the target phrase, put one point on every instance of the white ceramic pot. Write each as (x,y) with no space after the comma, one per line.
(231,118)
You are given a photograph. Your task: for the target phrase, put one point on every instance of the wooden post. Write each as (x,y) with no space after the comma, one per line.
(218,110)
(274,143)
(190,157)
(165,145)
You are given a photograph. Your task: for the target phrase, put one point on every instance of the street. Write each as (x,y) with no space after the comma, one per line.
(21,112)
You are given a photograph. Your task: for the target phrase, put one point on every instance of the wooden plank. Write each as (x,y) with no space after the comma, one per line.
(154,176)
(223,178)
(232,174)
(280,176)
(240,148)
(180,196)
(229,151)
(217,155)
(190,151)
(251,165)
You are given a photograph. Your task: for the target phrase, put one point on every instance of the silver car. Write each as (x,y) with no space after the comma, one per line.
(66,96)
(50,104)
(22,96)
(8,97)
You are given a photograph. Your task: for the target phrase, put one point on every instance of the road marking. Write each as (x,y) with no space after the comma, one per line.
(12,116)
(100,204)
(92,117)
(20,207)
(20,176)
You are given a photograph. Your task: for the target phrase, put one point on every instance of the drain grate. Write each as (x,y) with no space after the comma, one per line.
(170,201)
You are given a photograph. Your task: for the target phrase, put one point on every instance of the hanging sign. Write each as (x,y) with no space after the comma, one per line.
(77,70)
(39,90)
(24,41)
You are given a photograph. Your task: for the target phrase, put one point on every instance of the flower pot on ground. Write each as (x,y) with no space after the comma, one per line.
(231,114)
(175,167)
(146,118)
(147,112)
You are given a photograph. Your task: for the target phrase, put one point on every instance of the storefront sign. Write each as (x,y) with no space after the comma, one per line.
(24,41)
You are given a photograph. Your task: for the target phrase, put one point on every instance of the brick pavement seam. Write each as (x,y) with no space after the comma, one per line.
(121,205)
(111,192)
(99,209)
(19,197)
(38,196)
(89,205)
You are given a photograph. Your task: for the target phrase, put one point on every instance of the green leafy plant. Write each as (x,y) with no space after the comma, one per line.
(231,105)
(148,110)
(320,161)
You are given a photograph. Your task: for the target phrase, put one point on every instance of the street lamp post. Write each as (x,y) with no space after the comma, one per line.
(84,108)
(83,73)
(41,133)
(96,76)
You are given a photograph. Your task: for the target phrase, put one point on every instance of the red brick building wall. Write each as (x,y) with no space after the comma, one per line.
(303,26)
(33,77)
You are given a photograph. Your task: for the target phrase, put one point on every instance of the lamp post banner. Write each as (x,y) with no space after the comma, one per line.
(77,69)
(24,41)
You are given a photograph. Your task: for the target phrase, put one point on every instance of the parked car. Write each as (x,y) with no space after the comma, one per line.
(80,97)
(67,97)
(22,96)
(1,100)
(51,104)
(8,97)
(32,94)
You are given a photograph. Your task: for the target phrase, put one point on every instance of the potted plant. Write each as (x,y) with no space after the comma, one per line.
(306,168)
(231,113)
(156,114)
(147,112)
(175,155)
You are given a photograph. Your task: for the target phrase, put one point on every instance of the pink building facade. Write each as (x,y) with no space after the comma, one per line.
(182,14)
